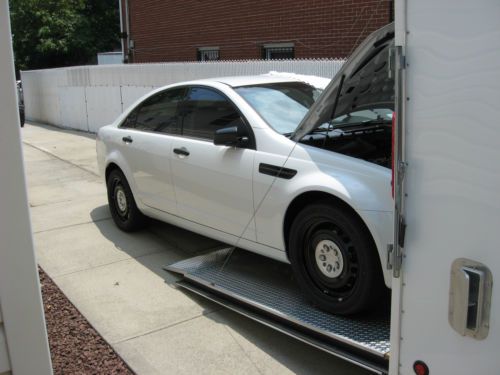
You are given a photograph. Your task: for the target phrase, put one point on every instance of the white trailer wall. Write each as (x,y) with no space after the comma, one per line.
(451,186)
(89,97)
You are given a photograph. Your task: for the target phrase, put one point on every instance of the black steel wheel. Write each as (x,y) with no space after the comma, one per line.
(122,205)
(334,259)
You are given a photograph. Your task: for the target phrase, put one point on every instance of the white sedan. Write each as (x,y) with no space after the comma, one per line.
(263,164)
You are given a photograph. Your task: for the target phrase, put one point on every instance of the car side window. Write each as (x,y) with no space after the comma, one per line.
(159,112)
(129,122)
(205,111)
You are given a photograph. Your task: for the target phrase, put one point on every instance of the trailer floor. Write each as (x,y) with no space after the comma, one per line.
(264,290)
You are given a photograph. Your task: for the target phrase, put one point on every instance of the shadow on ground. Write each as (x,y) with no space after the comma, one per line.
(57,129)
(176,243)
(181,244)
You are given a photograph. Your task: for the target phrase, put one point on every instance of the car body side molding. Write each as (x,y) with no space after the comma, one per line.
(276,171)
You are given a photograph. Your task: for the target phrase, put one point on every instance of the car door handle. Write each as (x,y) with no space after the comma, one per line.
(181,151)
(127,139)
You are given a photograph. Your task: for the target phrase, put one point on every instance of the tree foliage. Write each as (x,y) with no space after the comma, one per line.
(55,33)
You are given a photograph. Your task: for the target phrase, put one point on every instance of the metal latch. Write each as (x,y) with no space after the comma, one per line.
(402,166)
(397,60)
(390,255)
(394,253)
(394,260)
(470,298)
(401,231)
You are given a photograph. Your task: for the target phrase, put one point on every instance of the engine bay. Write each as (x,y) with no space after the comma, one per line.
(370,143)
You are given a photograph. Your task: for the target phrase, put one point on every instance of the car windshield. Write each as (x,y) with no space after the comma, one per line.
(281,105)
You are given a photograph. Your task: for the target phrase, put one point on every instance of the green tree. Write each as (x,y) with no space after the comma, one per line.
(56,33)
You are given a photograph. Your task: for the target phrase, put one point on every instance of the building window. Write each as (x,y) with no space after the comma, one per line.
(208,53)
(275,51)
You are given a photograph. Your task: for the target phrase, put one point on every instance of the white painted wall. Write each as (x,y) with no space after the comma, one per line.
(105,58)
(89,97)
(23,338)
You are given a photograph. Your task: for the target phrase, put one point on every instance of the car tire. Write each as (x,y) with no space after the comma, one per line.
(122,204)
(335,260)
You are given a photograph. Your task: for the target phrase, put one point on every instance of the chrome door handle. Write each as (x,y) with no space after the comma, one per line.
(127,139)
(470,298)
(181,151)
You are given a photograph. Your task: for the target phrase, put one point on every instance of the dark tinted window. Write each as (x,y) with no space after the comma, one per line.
(129,122)
(159,113)
(206,111)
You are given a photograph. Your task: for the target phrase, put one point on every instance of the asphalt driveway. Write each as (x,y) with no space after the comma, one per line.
(117,282)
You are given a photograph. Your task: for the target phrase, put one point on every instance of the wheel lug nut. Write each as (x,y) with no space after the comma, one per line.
(329,268)
(322,258)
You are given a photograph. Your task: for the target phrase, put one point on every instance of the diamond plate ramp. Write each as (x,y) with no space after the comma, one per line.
(264,290)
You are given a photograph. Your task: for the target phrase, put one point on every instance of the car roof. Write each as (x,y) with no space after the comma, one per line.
(249,80)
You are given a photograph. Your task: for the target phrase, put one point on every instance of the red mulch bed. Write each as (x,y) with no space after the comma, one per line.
(75,346)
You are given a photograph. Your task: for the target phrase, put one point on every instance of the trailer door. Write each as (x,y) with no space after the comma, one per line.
(450,308)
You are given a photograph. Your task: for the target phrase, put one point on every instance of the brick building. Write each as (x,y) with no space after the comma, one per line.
(187,30)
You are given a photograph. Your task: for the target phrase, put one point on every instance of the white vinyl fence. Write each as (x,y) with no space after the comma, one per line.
(89,97)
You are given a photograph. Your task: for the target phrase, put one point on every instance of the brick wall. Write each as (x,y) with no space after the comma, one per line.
(172,30)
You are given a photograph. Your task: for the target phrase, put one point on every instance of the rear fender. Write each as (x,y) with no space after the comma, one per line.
(116,157)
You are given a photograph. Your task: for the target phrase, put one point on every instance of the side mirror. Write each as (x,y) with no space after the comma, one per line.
(231,136)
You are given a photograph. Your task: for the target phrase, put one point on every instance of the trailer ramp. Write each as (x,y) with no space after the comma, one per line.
(264,290)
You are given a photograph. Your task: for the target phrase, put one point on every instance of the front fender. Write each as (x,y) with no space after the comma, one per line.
(362,186)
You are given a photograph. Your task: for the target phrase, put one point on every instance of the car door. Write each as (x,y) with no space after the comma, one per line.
(146,144)
(213,184)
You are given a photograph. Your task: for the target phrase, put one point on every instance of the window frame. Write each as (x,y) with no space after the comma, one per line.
(268,47)
(201,50)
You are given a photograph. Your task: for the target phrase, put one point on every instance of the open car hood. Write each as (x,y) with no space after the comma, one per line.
(364,83)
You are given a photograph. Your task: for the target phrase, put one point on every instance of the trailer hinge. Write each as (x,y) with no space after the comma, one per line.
(397,61)
(394,253)
(390,254)
(394,260)
(402,166)
(401,231)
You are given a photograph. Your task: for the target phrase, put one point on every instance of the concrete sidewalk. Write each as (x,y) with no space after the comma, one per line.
(115,279)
